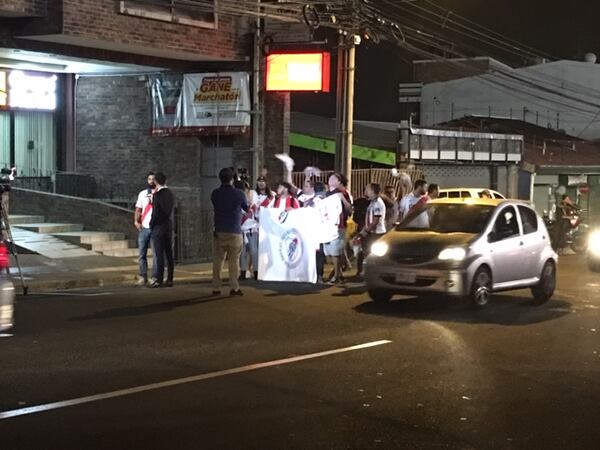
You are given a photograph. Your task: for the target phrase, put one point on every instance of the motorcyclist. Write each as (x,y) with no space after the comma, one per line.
(566,212)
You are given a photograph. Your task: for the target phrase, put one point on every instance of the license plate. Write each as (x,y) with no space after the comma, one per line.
(406,277)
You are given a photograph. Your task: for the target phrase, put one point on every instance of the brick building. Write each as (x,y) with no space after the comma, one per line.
(104,54)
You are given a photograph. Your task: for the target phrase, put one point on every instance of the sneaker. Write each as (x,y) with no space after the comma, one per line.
(242,276)
(320,280)
(155,284)
(141,282)
(237,293)
(169,284)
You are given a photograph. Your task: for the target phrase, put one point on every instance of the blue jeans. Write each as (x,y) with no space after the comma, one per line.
(144,239)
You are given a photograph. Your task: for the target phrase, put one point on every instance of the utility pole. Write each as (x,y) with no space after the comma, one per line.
(256,114)
(345,105)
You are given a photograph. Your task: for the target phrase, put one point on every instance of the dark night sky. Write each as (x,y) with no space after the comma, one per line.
(563,29)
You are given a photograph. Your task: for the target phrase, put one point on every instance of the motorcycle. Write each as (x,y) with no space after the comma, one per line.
(575,238)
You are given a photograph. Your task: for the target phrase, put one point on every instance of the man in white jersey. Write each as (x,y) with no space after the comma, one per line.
(374,226)
(413,201)
(141,220)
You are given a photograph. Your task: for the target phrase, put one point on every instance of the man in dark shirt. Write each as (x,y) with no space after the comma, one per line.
(161,224)
(228,203)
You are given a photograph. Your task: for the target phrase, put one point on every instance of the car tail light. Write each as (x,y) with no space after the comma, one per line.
(4,256)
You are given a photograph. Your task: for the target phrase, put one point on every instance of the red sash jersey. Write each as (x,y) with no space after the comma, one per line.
(290,203)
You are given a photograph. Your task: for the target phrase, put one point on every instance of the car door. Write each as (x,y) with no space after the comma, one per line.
(534,241)
(506,246)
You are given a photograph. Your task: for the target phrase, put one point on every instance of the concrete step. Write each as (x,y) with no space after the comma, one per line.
(25,219)
(89,237)
(47,245)
(107,245)
(50,228)
(124,253)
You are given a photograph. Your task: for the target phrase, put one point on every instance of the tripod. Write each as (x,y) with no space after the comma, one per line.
(7,235)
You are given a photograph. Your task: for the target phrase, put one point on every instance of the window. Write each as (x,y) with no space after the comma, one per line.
(454,194)
(465,194)
(28,141)
(529,220)
(449,218)
(506,225)
(443,195)
(196,13)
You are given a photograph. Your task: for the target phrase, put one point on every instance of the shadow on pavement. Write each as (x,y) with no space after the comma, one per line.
(351,288)
(502,310)
(279,289)
(153,308)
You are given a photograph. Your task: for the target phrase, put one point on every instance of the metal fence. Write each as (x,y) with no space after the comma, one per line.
(193,237)
(362,177)
(43,184)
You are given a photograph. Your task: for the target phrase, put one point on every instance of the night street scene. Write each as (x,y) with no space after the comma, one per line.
(271,224)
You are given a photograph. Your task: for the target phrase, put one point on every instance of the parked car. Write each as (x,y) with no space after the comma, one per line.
(470,193)
(7,290)
(466,248)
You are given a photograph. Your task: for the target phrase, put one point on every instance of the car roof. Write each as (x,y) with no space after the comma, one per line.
(480,201)
(468,189)
(469,201)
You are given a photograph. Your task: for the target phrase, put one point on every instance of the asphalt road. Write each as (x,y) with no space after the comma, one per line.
(511,376)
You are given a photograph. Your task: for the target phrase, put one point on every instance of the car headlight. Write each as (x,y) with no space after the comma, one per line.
(452,254)
(379,248)
(594,242)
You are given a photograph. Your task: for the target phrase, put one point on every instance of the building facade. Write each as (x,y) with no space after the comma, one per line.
(561,95)
(100,57)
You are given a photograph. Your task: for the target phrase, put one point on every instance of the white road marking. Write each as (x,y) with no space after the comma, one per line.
(75,294)
(206,376)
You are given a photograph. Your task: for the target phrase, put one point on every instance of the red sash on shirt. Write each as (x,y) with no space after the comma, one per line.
(290,203)
(147,210)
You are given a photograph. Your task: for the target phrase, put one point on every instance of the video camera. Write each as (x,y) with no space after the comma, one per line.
(240,177)
(241,174)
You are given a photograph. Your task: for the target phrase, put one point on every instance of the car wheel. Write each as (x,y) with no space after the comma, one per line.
(544,290)
(380,295)
(481,289)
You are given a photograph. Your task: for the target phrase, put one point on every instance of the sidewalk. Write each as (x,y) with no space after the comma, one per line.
(43,274)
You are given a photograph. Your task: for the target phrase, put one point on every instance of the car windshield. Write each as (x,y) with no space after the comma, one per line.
(448,218)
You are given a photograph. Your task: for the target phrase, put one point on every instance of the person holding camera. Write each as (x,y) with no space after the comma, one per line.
(229,203)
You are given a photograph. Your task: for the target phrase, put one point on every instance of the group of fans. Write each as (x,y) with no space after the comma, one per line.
(362,221)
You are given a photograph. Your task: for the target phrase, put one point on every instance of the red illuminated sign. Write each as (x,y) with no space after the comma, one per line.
(298,72)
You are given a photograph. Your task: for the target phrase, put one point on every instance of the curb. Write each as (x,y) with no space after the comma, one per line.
(42,286)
